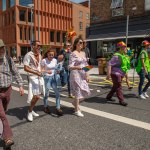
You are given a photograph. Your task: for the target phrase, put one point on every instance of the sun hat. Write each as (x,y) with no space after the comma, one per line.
(121,44)
(1,43)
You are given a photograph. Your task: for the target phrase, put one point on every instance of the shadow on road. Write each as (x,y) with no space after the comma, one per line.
(100,100)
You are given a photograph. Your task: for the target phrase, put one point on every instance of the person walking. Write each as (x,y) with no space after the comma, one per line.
(143,70)
(32,65)
(49,64)
(127,57)
(87,52)
(117,68)
(7,70)
(78,77)
(66,52)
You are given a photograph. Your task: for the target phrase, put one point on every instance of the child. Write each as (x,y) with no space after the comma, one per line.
(60,74)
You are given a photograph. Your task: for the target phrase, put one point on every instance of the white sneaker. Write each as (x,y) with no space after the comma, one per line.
(145,94)
(79,114)
(142,96)
(35,114)
(30,116)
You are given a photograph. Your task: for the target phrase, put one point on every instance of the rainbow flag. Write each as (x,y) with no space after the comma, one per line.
(87,68)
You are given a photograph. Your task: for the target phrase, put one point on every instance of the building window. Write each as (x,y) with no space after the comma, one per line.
(64,37)
(87,16)
(58,36)
(11,3)
(80,14)
(22,15)
(147,4)
(13,16)
(116,4)
(29,33)
(20,33)
(25,2)
(25,33)
(81,25)
(29,16)
(87,25)
(3,5)
(52,36)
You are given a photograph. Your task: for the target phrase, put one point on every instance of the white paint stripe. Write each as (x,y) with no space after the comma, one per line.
(117,118)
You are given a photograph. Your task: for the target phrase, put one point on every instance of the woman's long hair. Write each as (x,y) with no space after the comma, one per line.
(75,43)
(48,51)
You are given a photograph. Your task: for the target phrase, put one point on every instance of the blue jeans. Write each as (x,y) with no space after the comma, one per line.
(58,80)
(50,81)
(142,78)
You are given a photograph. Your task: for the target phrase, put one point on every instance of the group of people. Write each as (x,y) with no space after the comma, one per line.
(46,72)
(118,68)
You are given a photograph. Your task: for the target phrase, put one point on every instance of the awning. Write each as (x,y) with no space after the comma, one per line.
(119,35)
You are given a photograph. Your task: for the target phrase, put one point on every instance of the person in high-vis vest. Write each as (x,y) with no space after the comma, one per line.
(129,66)
(143,70)
(117,68)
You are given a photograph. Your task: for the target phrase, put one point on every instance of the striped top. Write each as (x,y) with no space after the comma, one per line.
(6,73)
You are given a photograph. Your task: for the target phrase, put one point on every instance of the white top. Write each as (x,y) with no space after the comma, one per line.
(49,65)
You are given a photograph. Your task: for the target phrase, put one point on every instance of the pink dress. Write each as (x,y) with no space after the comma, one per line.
(78,84)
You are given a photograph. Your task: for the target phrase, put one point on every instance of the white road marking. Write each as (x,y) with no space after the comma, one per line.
(98,91)
(103,114)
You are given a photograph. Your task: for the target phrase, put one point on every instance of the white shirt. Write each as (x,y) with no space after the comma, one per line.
(30,61)
(49,65)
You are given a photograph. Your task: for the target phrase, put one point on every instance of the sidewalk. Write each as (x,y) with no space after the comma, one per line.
(94,74)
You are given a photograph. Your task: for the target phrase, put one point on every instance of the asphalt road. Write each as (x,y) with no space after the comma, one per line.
(106,126)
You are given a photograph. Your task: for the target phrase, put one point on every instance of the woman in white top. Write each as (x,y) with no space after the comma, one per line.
(48,66)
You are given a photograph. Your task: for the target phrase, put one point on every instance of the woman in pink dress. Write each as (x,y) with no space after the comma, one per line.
(78,77)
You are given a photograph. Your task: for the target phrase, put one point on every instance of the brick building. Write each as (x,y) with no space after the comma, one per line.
(109,22)
(49,23)
(81,17)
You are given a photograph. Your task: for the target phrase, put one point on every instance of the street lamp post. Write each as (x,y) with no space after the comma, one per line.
(32,7)
(127,24)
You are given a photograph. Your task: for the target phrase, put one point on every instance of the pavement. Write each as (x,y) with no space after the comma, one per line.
(106,125)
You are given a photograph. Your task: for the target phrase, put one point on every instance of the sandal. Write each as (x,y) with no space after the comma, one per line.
(8,143)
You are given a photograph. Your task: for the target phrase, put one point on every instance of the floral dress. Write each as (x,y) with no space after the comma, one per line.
(78,84)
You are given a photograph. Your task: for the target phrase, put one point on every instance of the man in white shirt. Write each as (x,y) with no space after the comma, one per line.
(32,65)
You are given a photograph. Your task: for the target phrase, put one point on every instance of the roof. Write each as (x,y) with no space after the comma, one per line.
(119,35)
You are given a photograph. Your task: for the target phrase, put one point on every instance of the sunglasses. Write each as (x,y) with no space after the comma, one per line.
(80,42)
(68,45)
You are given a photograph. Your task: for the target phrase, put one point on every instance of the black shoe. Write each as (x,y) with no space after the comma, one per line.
(47,110)
(123,103)
(59,112)
(130,88)
(9,143)
(110,100)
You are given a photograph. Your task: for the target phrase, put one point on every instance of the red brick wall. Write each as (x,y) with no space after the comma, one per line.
(100,10)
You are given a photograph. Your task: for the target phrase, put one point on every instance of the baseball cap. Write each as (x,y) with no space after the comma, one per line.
(145,43)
